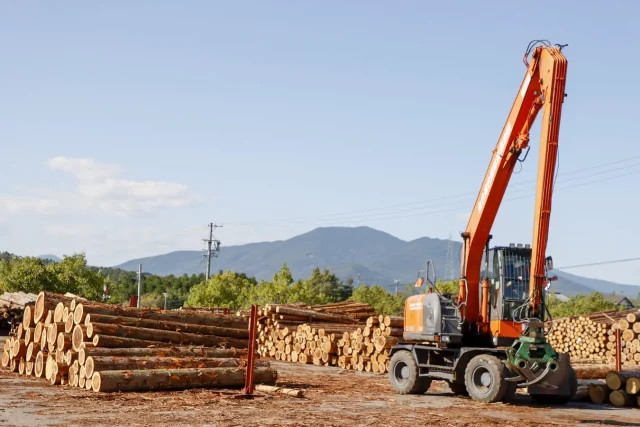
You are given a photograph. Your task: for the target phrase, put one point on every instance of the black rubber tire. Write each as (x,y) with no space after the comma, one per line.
(552,399)
(484,378)
(403,373)
(458,389)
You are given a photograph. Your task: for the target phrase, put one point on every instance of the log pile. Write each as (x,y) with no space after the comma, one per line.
(105,348)
(621,389)
(593,336)
(348,335)
(12,305)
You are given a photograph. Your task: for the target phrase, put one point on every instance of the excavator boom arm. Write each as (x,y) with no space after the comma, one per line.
(542,89)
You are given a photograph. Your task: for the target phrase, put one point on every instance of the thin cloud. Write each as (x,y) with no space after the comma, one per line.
(98,190)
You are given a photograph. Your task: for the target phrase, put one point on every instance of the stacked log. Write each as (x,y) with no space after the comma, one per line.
(12,306)
(105,348)
(621,389)
(347,334)
(593,336)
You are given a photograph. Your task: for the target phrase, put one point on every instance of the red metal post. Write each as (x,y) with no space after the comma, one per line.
(248,387)
(618,351)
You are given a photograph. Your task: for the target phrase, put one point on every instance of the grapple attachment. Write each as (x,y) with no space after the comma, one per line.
(538,366)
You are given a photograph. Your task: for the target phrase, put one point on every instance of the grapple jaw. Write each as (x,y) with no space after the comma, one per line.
(536,364)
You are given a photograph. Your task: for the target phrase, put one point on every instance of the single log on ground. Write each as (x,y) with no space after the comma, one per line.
(175,379)
(194,318)
(618,380)
(115,363)
(280,390)
(166,325)
(111,341)
(160,352)
(164,336)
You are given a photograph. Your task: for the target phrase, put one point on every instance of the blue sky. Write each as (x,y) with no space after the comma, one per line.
(126,127)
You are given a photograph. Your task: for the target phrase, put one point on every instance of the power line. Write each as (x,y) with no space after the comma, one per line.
(615,261)
(377,217)
(332,218)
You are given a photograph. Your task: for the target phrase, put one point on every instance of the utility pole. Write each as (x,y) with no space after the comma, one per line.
(139,284)
(395,282)
(211,252)
(448,274)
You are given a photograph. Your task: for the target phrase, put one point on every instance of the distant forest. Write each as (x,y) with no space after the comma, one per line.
(234,290)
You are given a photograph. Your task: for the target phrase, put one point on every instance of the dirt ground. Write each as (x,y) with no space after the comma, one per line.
(333,397)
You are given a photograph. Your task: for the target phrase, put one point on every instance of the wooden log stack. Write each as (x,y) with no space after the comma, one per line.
(347,334)
(593,336)
(105,348)
(12,305)
(620,389)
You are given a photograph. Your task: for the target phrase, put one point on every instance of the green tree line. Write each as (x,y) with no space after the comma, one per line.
(226,288)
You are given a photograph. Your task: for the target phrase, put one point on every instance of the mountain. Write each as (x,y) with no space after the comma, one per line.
(599,285)
(377,257)
(50,257)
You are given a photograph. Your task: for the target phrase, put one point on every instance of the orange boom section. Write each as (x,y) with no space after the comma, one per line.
(541,89)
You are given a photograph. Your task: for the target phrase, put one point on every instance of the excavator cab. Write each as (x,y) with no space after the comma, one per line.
(509,291)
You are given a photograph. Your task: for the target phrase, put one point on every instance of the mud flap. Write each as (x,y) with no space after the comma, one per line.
(556,382)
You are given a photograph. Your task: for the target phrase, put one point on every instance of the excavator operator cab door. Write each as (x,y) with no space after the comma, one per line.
(509,291)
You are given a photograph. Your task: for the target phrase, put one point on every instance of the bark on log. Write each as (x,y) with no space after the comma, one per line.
(167,326)
(111,341)
(175,379)
(115,363)
(193,318)
(279,390)
(310,314)
(160,352)
(163,336)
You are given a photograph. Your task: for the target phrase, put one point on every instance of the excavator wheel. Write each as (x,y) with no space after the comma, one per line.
(404,376)
(554,399)
(484,378)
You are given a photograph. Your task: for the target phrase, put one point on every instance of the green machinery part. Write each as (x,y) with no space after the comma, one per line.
(533,359)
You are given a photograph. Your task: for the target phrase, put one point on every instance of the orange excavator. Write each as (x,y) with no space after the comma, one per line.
(489,338)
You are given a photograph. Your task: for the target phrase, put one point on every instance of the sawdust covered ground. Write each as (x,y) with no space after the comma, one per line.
(334,397)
